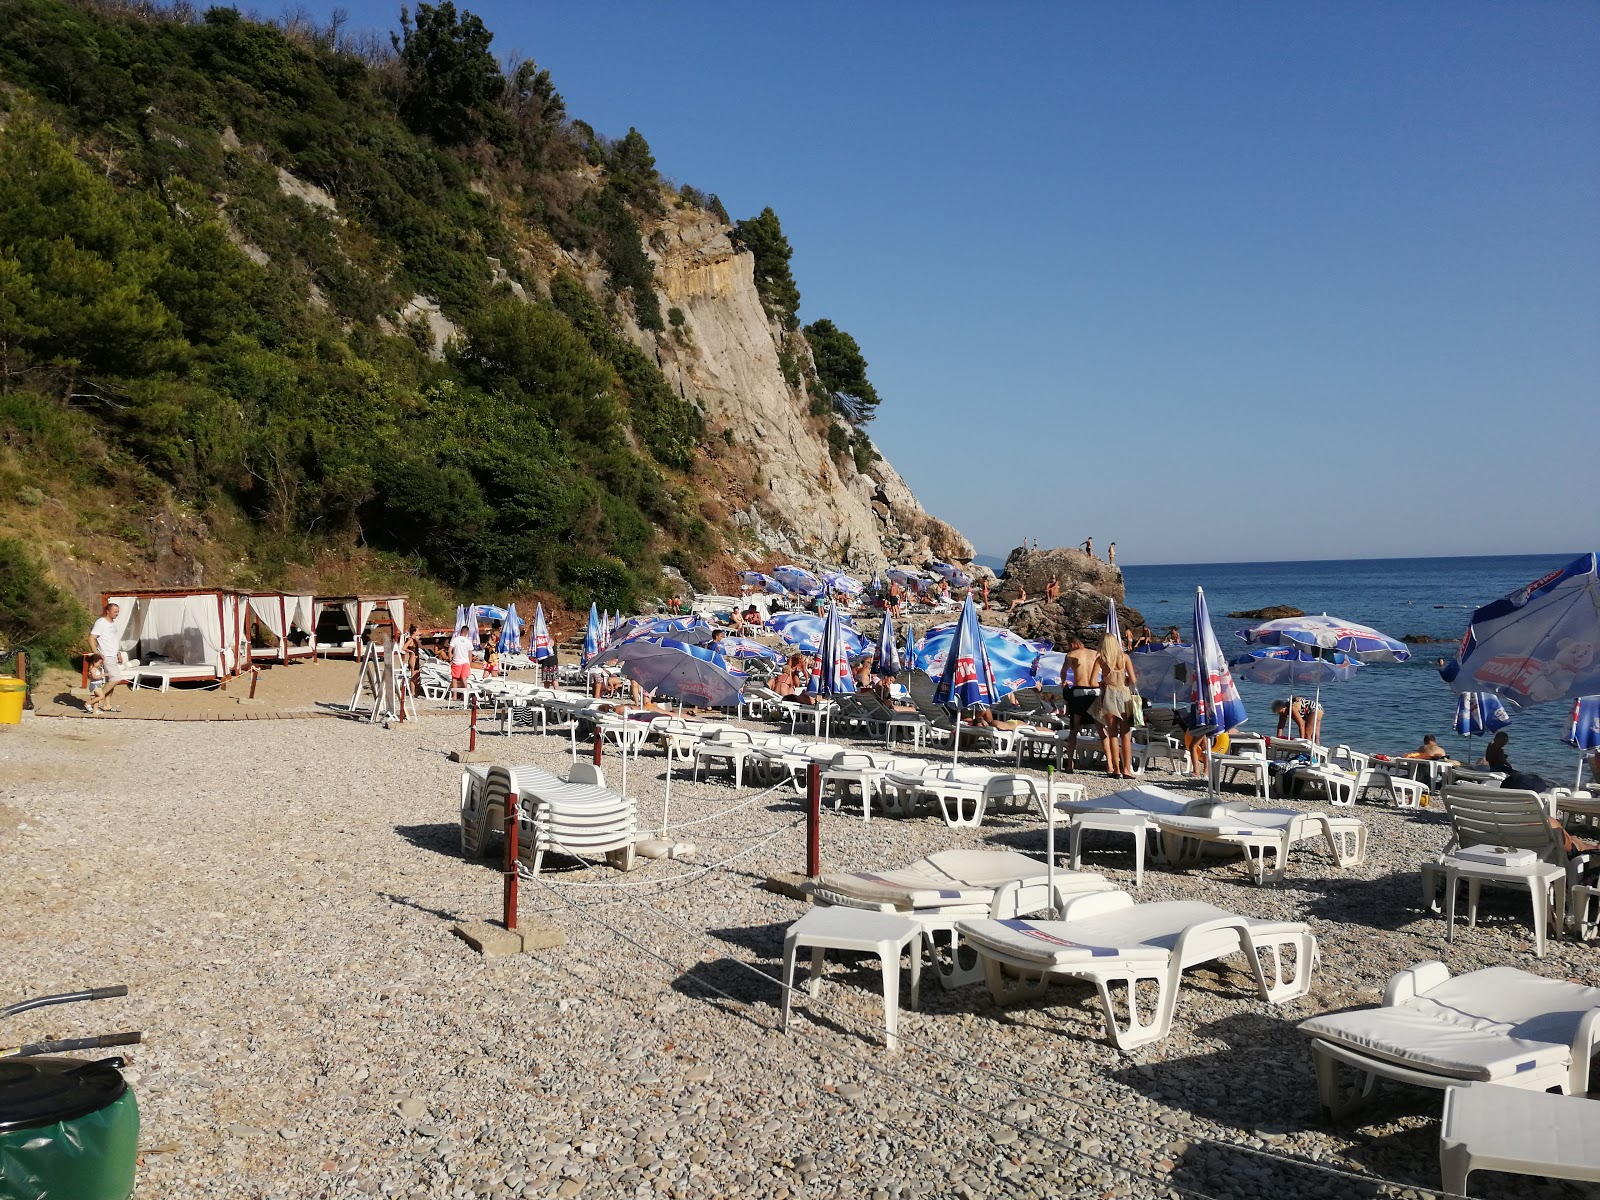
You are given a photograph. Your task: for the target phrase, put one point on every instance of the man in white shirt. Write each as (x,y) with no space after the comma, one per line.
(105,641)
(460,661)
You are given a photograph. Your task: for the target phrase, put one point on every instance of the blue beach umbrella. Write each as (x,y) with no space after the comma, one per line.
(804,631)
(952,575)
(908,659)
(1295,666)
(966,679)
(838,581)
(591,635)
(540,646)
(1164,671)
(1539,645)
(831,675)
(472,624)
(1322,632)
(887,660)
(1050,668)
(1584,733)
(798,580)
(1011,658)
(678,627)
(1214,702)
(1112,627)
(1479,713)
(765,582)
(510,631)
(668,667)
(902,576)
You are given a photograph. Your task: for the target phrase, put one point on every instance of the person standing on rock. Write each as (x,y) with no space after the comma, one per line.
(1052,590)
(1111,555)
(1088,546)
(105,641)
(1081,694)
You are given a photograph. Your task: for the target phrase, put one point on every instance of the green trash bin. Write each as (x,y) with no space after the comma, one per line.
(69,1130)
(12,693)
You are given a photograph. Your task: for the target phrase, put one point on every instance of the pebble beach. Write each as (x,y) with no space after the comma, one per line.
(280,898)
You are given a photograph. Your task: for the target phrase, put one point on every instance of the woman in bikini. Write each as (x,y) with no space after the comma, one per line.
(1111,710)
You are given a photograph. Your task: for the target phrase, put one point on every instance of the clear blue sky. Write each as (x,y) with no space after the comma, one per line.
(1217,282)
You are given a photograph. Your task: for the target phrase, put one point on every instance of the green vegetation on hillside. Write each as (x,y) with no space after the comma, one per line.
(210,228)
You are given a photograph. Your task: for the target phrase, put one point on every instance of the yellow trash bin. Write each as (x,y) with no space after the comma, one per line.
(12,693)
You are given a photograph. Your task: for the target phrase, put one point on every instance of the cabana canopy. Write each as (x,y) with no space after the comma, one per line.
(340,621)
(291,620)
(183,633)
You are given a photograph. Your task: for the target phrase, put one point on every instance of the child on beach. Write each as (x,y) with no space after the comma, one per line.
(97,681)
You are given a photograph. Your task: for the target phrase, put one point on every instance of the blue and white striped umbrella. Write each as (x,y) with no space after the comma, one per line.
(1011,657)
(1112,626)
(591,635)
(804,632)
(798,580)
(661,627)
(967,678)
(540,645)
(461,619)
(887,661)
(1539,645)
(1322,632)
(1214,702)
(510,631)
(903,576)
(1478,713)
(830,676)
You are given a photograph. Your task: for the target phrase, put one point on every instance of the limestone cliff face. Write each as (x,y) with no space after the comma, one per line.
(726,358)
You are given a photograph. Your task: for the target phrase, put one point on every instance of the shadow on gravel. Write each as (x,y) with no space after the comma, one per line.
(731,985)
(1392,902)
(765,940)
(439,837)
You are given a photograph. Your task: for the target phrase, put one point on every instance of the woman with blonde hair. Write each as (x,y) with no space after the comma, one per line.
(1113,709)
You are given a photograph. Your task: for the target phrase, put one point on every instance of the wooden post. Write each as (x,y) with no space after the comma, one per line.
(255,677)
(509,911)
(598,746)
(472,735)
(814,821)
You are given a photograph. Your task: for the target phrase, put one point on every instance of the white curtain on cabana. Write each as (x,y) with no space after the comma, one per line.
(302,619)
(194,630)
(397,610)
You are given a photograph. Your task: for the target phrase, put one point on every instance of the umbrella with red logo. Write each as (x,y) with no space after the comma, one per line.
(967,678)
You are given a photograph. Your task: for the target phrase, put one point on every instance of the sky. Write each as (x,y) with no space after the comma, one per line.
(1219,282)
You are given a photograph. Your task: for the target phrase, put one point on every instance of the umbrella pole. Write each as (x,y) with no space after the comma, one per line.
(1050,830)
(666,801)
(1577,784)
(955,741)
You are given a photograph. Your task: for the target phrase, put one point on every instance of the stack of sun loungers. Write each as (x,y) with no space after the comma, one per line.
(577,816)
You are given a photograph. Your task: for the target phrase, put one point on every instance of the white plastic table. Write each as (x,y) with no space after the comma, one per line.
(1546,884)
(1139,825)
(885,934)
(1488,1127)
(1239,764)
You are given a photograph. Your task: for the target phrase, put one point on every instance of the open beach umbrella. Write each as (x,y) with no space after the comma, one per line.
(591,635)
(1295,666)
(831,674)
(887,660)
(1050,668)
(765,582)
(667,667)
(1477,714)
(1584,733)
(662,627)
(953,575)
(1322,632)
(1011,657)
(966,679)
(1214,705)
(902,576)
(804,632)
(798,580)
(733,646)
(1163,671)
(1540,644)
(540,647)
(838,581)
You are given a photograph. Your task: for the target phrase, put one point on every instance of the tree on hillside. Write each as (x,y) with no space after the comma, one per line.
(633,171)
(842,370)
(453,87)
(763,237)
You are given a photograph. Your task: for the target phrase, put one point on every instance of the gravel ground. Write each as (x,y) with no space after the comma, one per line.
(279,896)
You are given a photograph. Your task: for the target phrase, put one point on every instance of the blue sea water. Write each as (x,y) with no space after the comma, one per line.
(1385,708)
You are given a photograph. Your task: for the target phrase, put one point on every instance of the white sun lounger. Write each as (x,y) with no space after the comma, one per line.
(1491,1128)
(1499,1025)
(1261,832)
(944,888)
(963,793)
(1109,940)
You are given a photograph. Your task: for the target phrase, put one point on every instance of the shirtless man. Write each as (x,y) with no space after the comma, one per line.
(1084,690)
(1052,590)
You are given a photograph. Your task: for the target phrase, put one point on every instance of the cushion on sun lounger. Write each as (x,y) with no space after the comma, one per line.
(951,878)
(1139,931)
(1411,1039)
(903,889)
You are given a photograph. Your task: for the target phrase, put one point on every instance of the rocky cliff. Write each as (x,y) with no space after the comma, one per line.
(725,357)
(1086,583)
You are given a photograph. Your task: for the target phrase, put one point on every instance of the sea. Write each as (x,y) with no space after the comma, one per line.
(1385,708)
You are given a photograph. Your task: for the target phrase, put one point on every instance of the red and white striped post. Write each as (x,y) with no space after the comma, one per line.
(508,914)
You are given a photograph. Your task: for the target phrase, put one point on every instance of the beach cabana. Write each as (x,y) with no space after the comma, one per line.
(339,621)
(178,635)
(288,618)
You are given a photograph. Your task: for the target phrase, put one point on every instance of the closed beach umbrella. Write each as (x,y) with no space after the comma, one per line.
(540,647)
(461,619)
(798,580)
(966,679)
(831,676)
(1112,626)
(1480,713)
(1164,671)
(1214,702)
(591,635)
(887,661)
(1539,645)
(472,624)
(510,631)
(1323,632)
(1584,733)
